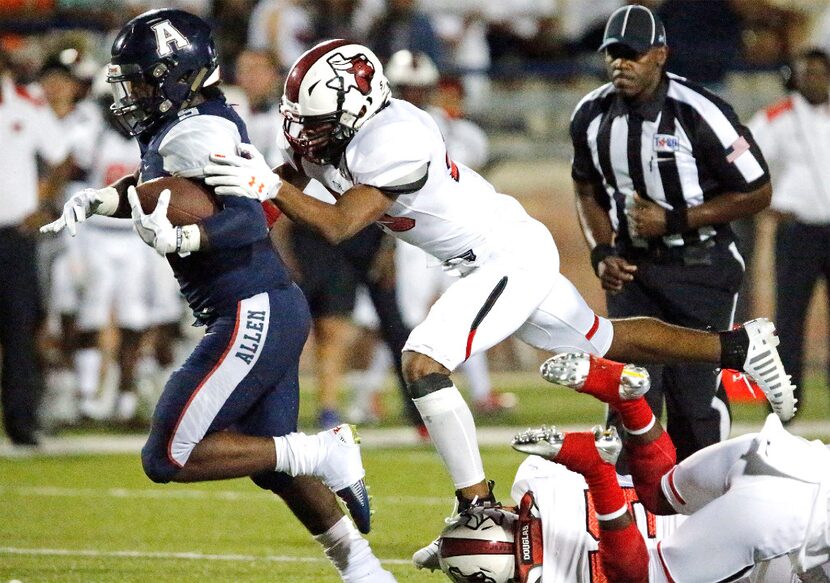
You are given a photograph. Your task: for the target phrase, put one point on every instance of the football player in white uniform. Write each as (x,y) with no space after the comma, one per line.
(750,509)
(117,263)
(385,161)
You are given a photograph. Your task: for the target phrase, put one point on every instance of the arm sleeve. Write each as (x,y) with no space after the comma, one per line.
(395,171)
(582,165)
(728,149)
(240,223)
(185,151)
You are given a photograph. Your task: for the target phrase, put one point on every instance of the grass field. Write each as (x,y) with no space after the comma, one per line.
(96,518)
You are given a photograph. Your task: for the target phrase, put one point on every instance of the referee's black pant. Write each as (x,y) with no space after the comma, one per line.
(360,251)
(21,384)
(700,295)
(802,257)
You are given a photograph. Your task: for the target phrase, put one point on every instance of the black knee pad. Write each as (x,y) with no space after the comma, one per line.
(275,482)
(157,467)
(429,384)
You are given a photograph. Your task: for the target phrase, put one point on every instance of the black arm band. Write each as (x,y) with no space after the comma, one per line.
(599,253)
(677,221)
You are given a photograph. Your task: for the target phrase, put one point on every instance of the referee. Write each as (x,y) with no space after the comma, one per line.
(660,168)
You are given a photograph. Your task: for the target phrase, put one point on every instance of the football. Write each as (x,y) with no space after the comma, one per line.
(190,201)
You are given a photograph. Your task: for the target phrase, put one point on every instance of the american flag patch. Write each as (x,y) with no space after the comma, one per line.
(738,147)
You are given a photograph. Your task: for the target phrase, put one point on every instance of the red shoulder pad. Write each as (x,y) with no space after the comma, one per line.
(778,108)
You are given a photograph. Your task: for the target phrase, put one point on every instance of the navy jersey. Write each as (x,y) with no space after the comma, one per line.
(241,261)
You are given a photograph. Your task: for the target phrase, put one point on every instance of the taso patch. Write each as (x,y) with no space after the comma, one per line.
(666,144)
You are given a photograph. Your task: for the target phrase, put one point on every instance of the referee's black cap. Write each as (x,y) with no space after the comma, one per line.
(634,26)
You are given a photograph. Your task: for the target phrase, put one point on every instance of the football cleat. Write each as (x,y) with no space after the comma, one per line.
(764,366)
(608,442)
(545,442)
(342,471)
(427,557)
(571,369)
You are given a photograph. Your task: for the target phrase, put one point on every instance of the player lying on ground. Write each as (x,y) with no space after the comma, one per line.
(754,506)
(385,161)
(231,410)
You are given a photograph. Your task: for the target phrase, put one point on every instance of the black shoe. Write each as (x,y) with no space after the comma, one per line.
(24,438)
(464,504)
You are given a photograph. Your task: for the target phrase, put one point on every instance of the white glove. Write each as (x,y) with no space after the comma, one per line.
(81,205)
(247,174)
(156,230)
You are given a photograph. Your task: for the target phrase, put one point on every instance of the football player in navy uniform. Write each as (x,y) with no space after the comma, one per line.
(231,409)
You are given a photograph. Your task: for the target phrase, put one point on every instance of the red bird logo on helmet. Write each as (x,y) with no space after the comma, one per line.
(357,71)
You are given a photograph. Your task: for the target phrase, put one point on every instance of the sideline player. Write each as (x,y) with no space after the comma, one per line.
(386,161)
(754,506)
(231,409)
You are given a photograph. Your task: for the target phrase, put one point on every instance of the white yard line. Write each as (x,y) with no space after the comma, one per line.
(188,494)
(393,437)
(132,554)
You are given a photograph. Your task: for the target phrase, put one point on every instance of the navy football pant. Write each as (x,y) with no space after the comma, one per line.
(242,376)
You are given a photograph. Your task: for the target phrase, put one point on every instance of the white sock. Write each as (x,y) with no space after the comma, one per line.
(478,376)
(453,431)
(88,368)
(378,368)
(298,454)
(350,553)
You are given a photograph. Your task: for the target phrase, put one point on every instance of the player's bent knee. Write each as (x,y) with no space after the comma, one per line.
(428,384)
(275,482)
(157,467)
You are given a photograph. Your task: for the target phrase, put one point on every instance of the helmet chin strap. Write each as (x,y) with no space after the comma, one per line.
(197,84)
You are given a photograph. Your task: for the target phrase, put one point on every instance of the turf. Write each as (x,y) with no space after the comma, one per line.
(98,519)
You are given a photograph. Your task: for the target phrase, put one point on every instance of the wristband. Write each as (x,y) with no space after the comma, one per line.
(677,221)
(188,239)
(600,252)
(109,201)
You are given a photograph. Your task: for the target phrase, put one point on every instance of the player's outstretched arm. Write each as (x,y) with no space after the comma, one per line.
(110,201)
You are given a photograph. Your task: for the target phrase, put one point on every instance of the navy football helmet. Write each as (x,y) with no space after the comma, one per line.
(160,61)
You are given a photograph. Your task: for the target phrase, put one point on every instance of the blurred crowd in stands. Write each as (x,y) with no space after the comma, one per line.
(56,49)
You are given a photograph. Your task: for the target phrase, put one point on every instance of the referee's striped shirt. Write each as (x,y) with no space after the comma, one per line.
(680,149)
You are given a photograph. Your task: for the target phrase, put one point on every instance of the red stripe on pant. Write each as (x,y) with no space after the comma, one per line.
(202,384)
(593,329)
(663,562)
(470,338)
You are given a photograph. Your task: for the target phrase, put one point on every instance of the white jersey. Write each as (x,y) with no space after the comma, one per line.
(795,139)
(444,208)
(570,529)
(106,155)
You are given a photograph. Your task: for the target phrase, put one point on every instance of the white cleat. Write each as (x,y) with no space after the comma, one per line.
(545,442)
(342,471)
(427,557)
(571,369)
(608,442)
(763,365)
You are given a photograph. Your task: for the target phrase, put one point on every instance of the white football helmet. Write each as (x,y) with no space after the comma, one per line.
(330,92)
(478,546)
(412,69)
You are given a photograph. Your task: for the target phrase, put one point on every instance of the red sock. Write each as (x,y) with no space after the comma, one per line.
(648,464)
(579,454)
(636,414)
(603,382)
(623,554)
